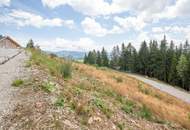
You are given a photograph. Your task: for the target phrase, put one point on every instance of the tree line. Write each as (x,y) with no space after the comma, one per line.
(164,61)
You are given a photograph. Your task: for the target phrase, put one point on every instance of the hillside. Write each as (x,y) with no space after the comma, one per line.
(61,94)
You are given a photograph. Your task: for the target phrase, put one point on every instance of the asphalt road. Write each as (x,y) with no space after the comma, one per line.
(180,94)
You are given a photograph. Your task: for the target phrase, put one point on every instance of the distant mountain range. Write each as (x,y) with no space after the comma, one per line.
(77,55)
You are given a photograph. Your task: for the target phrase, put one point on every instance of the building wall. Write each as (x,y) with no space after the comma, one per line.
(6,43)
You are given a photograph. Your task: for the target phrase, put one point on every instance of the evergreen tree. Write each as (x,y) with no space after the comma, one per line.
(105,60)
(143,58)
(154,59)
(173,75)
(129,59)
(91,57)
(186,47)
(163,68)
(115,56)
(169,58)
(122,61)
(167,63)
(135,67)
(85,59)
(98,59)
(182,69)
(30,44)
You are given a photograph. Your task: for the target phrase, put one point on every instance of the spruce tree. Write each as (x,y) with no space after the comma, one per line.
(85,59)
(91,57)
(30,44)
(98,59)
(105,60)
(182,69)
(122,58)
(115,55)
(173,74)
(143,58)
(163,68)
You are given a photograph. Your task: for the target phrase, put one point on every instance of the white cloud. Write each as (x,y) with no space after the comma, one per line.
(152,6)
(58,44)
(101,7)
(91,27)
(4,3)
(181,8)
(94,28)
(87,7)
(130,23)
(22,18)
(179,30)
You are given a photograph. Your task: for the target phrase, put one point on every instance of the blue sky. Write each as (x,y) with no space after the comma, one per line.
(82,25)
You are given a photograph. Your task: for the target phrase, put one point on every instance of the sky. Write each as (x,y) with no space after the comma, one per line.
(83,25)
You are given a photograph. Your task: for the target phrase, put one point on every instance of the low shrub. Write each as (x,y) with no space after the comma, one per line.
(145,113)
(60,102)
(66,69)
(119,79)
(143,89)
(48,87)
(103,107)
(128,107)
(121,126)
(17,82)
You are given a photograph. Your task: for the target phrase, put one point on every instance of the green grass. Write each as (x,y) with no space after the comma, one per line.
(189,116)
(128,107)
(121,126)
(145,113)
(48,87)
(17,82)
(102,106)
(56,66)
(66,69)
(110,93)
(60,102)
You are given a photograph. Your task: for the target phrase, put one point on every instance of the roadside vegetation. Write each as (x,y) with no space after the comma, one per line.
(143,101)
(56,66)
(95,97)
(17,82)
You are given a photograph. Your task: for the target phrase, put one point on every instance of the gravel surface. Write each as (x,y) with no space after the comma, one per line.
(180,94)
(11,70)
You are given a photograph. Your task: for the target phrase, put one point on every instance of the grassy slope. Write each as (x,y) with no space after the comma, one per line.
(162,104)
(109,90)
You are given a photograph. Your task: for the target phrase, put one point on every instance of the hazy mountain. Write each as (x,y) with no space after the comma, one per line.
(74,54)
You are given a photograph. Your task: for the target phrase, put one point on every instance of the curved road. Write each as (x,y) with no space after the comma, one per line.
(185,96)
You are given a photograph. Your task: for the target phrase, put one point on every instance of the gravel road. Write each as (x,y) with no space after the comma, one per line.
(180,94)
(6,54)
(11,70)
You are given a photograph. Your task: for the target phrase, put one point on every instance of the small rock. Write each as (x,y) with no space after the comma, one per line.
(90,120)
(97,119)
(39,105)
(71,125)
